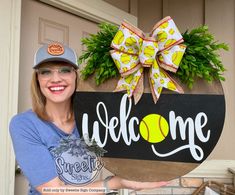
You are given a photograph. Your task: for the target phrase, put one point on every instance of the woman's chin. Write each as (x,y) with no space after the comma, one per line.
(57,100)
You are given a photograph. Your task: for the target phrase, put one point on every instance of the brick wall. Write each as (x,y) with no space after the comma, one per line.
(184,186)
(212,170)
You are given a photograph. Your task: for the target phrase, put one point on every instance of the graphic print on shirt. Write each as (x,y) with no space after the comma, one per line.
(77,162)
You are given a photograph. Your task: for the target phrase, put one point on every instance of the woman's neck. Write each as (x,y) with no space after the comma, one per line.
(59,113)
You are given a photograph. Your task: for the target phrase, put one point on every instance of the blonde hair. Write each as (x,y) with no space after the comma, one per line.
(39,100)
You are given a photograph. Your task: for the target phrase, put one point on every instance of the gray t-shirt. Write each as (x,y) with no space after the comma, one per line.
(43,151)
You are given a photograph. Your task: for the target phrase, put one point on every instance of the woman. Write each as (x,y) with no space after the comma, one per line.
(38,132)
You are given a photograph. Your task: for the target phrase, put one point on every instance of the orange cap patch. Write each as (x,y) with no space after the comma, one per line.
(55,49)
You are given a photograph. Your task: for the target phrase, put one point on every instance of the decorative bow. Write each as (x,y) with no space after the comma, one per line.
(161,50)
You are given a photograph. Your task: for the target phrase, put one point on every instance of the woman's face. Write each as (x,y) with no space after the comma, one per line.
(57,81)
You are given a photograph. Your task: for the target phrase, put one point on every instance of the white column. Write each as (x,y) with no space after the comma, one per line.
(10,11)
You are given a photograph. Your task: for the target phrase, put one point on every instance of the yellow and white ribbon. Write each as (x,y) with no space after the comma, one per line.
(133,51)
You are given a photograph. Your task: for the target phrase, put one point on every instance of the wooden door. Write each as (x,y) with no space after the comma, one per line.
(42,24)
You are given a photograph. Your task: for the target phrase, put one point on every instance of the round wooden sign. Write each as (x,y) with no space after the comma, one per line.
(147,141)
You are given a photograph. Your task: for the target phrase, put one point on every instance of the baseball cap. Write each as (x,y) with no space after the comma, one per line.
(55,52)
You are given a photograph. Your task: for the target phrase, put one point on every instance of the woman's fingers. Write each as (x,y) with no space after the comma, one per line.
(143,185)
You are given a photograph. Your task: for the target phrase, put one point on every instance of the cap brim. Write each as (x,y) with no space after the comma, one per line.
(57,60)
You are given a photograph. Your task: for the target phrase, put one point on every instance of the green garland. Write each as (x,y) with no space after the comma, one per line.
(97,57)
(201,58)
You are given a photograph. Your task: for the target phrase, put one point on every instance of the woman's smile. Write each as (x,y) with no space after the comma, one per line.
(57,89)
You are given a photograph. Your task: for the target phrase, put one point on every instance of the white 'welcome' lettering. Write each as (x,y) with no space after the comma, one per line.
(128,134)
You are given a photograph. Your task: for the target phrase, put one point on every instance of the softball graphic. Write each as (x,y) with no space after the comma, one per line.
(135,57)
(133,87)
(119,37)
(159,90)
(129,78)
(136,78)
(140,42)
(133,65)
(171,86)
(162,36)
(130,41)
(130,50)
(121,48)
(156,75)
(148,61)
(176,57)
(117,63)
(166,52)
(171,31)
(125,58)
(169,42)
(124,69)
(155,64)
(154,128)
(164,25)
(160,58)
(149,51)
(163,74)
(162,81)
(155,44)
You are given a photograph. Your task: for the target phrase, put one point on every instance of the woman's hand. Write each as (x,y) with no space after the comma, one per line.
(134,185)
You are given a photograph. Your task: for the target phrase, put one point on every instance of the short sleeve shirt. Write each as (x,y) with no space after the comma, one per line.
(38,146)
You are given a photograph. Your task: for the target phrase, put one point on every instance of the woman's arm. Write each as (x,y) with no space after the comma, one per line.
(38,164)
(114,183)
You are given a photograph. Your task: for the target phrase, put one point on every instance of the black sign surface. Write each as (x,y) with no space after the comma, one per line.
(179,128)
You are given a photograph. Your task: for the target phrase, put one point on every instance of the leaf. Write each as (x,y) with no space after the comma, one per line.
(201,58)
(96,56)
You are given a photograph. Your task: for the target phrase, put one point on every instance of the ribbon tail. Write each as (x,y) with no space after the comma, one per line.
(139,90)
(159,79)
(155,91)
(120,86)
(172,84)
(133,84)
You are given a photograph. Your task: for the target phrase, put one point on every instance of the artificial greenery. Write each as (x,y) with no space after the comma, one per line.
(97,54)
(201,58)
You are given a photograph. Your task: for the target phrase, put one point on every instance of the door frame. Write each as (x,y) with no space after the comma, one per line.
(10,12)
(94,10)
